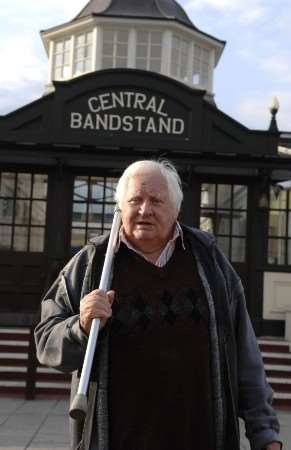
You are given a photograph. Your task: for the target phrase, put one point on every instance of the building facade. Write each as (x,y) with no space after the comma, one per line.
(131,80)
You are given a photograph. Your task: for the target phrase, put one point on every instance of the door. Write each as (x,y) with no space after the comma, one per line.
(23,264)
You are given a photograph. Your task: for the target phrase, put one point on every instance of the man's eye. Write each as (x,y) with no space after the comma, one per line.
(133,201)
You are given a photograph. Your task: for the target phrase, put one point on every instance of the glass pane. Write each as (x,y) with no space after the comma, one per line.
(141,64)
(223,245)
(38,213)
(80,40)
(67,44)
(277,223)
(289,224)
(79,214)
(107,63)
(59,47)
(59,60)
(206,221)
(240,197)
(208,195)
(80,53)
(95,214)
(278,202)
(120,62)
(58,74)
(88,65)
(5,237)
(142,36)
(20,239)
(289,251)
(238,246)
(239,223)
(81,188)
(78,238)
(110,188)
(122,36)
(121,50)
(23,185)
(40,186)
(93,233)
(108,215)
(155,65)
(6,210)
(223,195)
(36,240)
(107,49)
(276,251)
(97,189)
(7,184)
(156,37)
(108,35)
(141,51)
(156,51)
(222,222)
(89,37)
(22,211)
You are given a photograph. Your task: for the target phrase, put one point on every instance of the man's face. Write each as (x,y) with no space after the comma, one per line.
(148,215)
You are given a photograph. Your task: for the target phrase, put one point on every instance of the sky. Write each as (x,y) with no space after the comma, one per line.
(255,64)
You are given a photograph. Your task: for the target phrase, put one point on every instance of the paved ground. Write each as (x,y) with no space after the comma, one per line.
(43,425)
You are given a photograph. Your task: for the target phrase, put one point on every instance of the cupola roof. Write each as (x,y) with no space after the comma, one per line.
(145,9)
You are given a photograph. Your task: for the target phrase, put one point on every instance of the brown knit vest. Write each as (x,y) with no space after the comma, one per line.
(159,383)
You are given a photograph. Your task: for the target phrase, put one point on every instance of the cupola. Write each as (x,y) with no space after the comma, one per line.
(153,35)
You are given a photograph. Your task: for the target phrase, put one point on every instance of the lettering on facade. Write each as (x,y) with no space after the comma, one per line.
(127,111)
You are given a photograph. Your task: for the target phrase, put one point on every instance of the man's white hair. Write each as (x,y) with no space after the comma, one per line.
(167,170)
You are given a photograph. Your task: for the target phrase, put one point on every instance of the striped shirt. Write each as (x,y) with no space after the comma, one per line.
(166,253)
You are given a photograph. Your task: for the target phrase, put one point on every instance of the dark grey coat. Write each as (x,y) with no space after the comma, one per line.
(239,383)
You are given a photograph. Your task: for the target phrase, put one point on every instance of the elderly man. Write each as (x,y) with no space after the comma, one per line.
(176,361)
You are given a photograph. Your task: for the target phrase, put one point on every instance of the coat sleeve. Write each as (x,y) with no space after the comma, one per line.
(60,342)
(254,394)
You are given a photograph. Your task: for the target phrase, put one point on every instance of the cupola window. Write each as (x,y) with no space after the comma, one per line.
(180,58)
(201,66)
(149,50)
(83,53)
(115,48)
(61,60)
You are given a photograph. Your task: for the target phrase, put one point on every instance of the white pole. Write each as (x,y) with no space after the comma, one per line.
(78,407)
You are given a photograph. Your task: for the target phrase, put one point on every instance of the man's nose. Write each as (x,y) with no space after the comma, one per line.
(145,208)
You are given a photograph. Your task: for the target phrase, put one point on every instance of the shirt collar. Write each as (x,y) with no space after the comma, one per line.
(178,232)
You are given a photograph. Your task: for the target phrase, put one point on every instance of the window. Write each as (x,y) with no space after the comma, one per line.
(83,53)
(115,48)
(201,65)
(179,59)
(23,201)
(224,213)
(149,50)
(61,60)
(279,229)
(93,208)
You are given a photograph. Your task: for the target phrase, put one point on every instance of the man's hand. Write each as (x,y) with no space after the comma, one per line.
(273,446)
(95,304)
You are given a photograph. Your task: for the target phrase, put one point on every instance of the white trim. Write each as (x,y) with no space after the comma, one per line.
(94,48)
(13,355)
(167,42)
(279,367)
(15,330)
(13,369)
(99,46)
(51,62)
(72,56)
(131,52)
(279,380)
